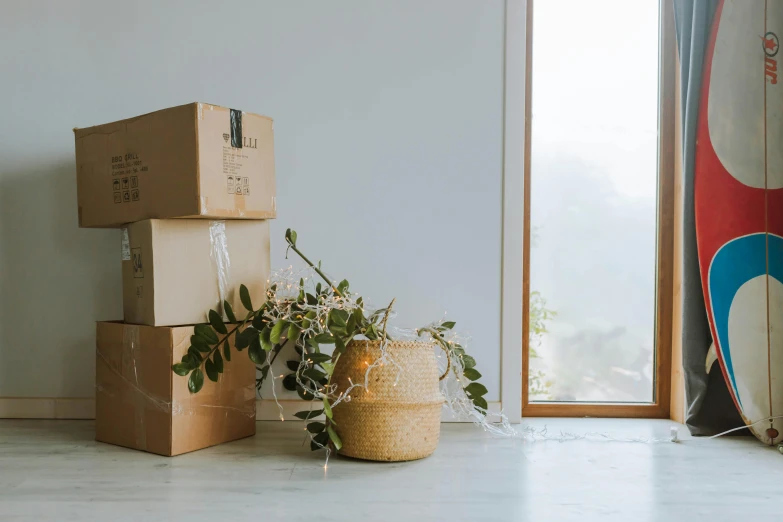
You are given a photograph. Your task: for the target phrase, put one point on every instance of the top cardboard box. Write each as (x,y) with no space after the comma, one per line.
(191,161)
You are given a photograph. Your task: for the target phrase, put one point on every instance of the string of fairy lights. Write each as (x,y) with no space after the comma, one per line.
(287,284)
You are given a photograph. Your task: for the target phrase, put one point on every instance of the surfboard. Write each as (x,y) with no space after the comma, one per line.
(739,206)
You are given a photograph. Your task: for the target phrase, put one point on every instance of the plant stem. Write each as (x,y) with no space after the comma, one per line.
(277,349)
(317,270)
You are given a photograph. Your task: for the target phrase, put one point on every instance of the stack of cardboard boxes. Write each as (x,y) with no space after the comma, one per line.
(191,187)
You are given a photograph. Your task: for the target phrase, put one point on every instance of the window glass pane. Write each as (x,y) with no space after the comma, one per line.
(593,200)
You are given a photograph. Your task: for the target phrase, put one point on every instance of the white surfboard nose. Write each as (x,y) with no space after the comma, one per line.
(745,101)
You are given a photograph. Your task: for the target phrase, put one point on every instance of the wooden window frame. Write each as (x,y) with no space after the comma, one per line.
(660,407)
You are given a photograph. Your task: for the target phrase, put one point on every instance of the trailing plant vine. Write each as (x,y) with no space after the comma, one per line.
(319,320)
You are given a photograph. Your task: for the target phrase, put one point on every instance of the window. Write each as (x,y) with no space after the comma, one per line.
(598,243)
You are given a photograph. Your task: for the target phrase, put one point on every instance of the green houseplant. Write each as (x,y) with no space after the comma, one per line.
(318,322)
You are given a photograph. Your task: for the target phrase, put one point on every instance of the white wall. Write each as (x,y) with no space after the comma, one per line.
(388,122)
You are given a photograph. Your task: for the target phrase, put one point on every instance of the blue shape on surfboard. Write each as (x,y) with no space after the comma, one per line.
(736,263)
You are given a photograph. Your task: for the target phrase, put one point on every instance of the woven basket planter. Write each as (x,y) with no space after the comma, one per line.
(389,422)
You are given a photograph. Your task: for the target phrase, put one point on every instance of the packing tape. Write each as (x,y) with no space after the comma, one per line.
(219,255)
(131,365)
(245,397)
(127,387)
(239,210)
(125,249)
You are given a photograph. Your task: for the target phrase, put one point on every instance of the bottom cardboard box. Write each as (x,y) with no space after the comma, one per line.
(142,404)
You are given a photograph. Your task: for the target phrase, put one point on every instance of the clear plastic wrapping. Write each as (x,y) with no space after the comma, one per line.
(220,258)
(142,404)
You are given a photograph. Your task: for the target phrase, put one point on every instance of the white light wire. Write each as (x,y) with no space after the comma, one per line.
(456,401)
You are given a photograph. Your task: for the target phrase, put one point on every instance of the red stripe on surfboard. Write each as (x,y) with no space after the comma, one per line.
(715,191)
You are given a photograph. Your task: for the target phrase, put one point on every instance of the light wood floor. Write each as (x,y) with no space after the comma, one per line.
(53,470)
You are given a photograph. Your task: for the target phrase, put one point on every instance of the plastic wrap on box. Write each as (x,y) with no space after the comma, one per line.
(219,256)
(175,270)
(142,404)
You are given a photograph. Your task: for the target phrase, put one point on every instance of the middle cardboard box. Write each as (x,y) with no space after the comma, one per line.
(175,270)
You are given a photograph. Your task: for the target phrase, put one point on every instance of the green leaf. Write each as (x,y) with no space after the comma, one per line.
(316,375)
(324,338)
(180,369)
(305,415)
(318,358)
(244,296)
(293,332)
(328,368)
(211,370)
(256,353)
(289,382)
(308,318)
(227,352)
(351,326)
(292,365)
(468,362)
(316,427)
(245,337)
(338,317)
(304,394)
(196,380)
(476,389)
(343,286)
(217,322)
(319,441)
(358,316)
(195,355)
(334,437)
(204,330)
(290,236)
(338,331)
(459,350)
(263,338)
(472,374)
(229,312)
(318,288)
(259,322)
(190,362)
(277,331)
(480,402)
(327,408)
(218,360)
(448,325)
(371,333)
(339,345)
(199,343)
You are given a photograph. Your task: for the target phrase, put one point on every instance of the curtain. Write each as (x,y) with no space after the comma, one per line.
(709,408)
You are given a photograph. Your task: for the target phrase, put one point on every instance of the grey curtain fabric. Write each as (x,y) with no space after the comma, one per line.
(710,409)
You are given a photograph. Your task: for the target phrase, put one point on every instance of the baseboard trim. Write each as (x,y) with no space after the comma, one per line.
(46,408)
(84,408)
